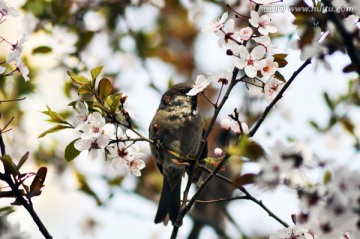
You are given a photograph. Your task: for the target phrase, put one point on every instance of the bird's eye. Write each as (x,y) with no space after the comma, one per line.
(184,91)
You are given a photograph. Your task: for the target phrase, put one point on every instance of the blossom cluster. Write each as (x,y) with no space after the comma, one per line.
(97,136)
(332,210)
(234,125)
(279,166)
(328,211)
(254,58)
(236,43)
(16,49)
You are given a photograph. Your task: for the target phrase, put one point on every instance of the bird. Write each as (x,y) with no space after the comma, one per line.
(178,128)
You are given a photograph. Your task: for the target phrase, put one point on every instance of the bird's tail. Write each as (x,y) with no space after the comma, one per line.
(169,205)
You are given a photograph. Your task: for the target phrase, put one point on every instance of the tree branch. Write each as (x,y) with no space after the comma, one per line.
(19,196)
(185,207)
(247,196)
(278,97)
(191,202)
(221,199)
(347,38)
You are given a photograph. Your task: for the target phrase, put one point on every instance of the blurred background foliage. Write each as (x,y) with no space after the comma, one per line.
(168,37)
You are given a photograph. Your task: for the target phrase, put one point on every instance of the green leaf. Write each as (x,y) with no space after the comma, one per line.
(85,89)
(105,88)
(327,177)
(80,80)
(247,148)
(100,106)
(280,59)
(9,165)
(328,101)
(54,117)
(70,73)
(348,125)
(279,76)
(115,103)
(41,50)
(22,160)
(211,160)
(4,211)
(314,125)
(96,72)
(191,156)
(71,152)
(54,129)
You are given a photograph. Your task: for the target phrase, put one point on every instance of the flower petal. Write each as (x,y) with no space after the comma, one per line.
(250,71)
(239,63)
(258,52)
(244,54)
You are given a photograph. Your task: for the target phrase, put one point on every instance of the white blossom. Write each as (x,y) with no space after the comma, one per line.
(350,22)
(312,49)
(94,146)
(127,156)
(228,123)
(62,41)
(96,126)
(22,68)
(225,123)
(329,208)
(268,66)
(82,115)
(236,127)
(224,77)
(262,23)
(296,232)
(6,10)
(228,28)
(245,33)
(266,42)
(276,166)
(16,50)
(201,83)
(217,24)
(196,10)
(136,165)
(272,88)
(249,61)
(119,154)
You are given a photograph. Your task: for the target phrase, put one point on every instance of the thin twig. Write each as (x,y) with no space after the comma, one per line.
(5,101)
(278,97)
(221,200)
(191,202)
(18,194)
(248,196)
(186,207)
(128,140)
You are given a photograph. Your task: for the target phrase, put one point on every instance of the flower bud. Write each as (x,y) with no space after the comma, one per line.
(225,123)
(218,152)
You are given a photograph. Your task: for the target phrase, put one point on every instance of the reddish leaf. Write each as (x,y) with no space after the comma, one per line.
(244,179)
